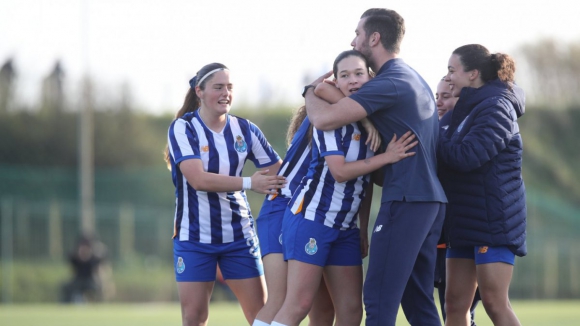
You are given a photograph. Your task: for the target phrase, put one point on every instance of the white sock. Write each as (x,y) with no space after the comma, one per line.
(277,324)
(259,323)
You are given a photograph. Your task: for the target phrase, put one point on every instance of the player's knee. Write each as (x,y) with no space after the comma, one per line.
(194,318)
(495,307)
(454,305)
(321,317)
(274,302)
(351,313)
(302,307)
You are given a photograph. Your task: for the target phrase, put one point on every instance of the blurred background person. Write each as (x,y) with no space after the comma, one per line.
(91,275)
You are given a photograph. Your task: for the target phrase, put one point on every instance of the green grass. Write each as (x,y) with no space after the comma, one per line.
(531,313)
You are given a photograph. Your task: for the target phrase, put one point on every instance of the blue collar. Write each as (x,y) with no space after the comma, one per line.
(389,64)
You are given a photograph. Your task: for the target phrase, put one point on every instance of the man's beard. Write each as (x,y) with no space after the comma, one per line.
(366,51)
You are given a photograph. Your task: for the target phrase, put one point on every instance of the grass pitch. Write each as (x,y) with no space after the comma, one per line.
(531,313)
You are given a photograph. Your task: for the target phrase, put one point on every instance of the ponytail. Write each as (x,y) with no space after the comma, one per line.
(295,124)
(505,67)
(190,104)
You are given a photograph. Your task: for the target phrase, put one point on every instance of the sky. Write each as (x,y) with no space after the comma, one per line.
(273,48)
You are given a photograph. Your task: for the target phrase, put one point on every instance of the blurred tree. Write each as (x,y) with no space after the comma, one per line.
(52,95)
(552,71)
(7,78)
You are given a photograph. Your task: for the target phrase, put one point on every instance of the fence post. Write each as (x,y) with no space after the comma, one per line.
(574,272)
(55,231)
(126,230)
(551,270)
(163,236)
(6,212)
(22,228)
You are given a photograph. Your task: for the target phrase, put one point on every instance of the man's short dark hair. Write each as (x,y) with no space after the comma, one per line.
(389,24)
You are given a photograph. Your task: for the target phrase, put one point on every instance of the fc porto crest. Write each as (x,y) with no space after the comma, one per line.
(254,245)
(240,144)
(180,266)
(311,247)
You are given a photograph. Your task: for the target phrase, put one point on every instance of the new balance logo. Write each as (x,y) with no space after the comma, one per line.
(378,228)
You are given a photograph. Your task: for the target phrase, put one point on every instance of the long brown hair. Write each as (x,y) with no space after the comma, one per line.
(295,123)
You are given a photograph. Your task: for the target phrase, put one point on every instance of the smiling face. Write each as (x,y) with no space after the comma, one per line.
(216,97)
(351,74)
(457,77)
(445,101)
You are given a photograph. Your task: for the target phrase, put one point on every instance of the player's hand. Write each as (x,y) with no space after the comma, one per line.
(330,82)
(321,78)
(267,184)
(397,149)
(374,139)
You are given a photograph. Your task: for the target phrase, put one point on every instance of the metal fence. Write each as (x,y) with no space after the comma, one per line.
(44,231)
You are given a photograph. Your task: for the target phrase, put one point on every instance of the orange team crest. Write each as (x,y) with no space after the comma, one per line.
(205,148)
(356,137)
(482,250)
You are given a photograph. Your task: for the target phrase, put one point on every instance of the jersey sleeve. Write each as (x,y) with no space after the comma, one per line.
(262,153)
(377,94)
(182,141)
(329,142)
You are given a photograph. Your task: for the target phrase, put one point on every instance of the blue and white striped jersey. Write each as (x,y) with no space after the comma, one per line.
(295,164)
(215,217)
(319,197)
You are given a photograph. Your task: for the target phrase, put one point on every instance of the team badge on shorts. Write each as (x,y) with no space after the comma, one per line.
(240,144)
(254,245)
(311,247)
(280,238)
(180,266)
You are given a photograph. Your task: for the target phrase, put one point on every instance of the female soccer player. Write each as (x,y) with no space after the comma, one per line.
(320,234)
(445,102)
(480,157)
(207,149)
(269,222)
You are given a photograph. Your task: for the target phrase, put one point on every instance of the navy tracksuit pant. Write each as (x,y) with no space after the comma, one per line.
(402,257)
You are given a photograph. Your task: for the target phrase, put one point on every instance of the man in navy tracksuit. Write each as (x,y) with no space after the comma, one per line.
(404,239)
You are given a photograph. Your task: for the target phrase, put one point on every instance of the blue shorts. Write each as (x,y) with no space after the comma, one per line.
(269,225)
(315,243)
(483,254)
(196,262)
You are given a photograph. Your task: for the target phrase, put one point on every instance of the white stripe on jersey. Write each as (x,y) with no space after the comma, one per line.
(304,157)
(258,150)
(184,232)
(337,192)
(223,151)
